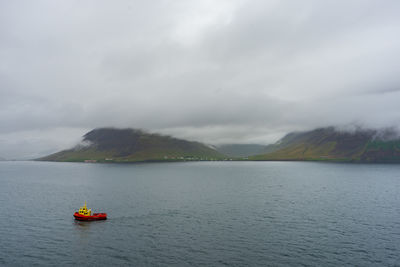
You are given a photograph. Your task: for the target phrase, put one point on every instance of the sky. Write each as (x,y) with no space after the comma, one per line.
(213,71)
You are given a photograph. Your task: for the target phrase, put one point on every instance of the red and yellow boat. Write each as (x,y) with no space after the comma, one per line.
(85,214)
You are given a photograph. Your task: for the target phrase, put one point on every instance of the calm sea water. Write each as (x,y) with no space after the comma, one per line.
(205,213)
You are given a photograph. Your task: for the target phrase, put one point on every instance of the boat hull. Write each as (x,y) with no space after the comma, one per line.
(94,217)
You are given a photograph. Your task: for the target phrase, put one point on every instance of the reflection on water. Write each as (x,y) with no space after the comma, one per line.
(82,227)
(87,224)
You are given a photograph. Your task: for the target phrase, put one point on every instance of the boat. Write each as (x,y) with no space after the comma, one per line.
(85,214)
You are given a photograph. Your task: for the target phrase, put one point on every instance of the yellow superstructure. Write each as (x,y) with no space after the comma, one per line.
(85,211)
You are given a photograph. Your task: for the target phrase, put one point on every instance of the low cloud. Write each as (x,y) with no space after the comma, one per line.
(212,71)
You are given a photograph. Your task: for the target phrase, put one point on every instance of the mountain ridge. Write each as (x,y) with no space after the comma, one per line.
(321,144)
(330,144)
(132,145)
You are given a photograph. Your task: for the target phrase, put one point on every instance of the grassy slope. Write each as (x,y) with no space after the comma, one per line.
(128,145)
(381,151)
(329,145)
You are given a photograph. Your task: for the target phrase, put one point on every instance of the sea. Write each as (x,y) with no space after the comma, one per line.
(200,214)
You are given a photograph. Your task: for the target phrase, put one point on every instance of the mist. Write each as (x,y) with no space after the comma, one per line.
(212,71)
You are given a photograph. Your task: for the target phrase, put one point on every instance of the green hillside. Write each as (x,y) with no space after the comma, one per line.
(130,145)
(240,150)
(328,144)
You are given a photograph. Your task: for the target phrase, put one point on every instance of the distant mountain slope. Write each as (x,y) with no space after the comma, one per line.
(241,150)
(330,144)
(130,145)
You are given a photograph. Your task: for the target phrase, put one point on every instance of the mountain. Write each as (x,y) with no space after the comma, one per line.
(130,145)
(329,144)
(240,150)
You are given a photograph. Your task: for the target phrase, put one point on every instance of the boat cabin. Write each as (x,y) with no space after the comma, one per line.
(85,211)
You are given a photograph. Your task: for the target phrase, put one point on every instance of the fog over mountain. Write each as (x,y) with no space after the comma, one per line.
(211,71)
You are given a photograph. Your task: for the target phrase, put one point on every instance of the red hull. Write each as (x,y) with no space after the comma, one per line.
(94,217)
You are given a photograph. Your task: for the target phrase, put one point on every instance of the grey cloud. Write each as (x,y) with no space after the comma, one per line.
(213,71)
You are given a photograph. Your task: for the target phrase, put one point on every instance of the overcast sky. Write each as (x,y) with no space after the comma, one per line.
(212,71)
